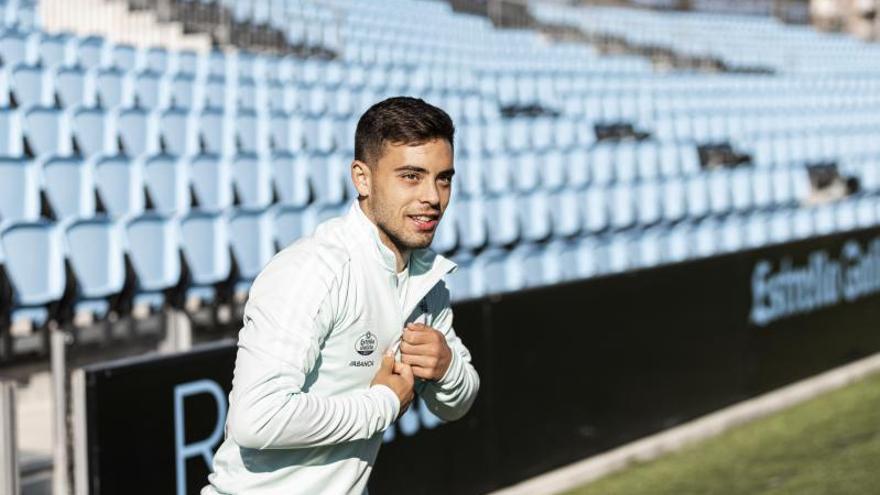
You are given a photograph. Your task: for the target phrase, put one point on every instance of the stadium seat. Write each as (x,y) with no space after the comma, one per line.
(73,87)
(153,245)
(216,132)
(151,91)
(48,132)
(471,217)
(34,259)
(291,178)
(94,131)
(95,248)
(330,177)
(120,184)
(11,133)
(205,245)
(502,219)
(14,47)
(167,181)
(138,132)
(293,222)
(211,180)
(252,180)
(252,236)
(177,130)
(19,191)
(113,88)
(31,86)
(93,52)
(70,188)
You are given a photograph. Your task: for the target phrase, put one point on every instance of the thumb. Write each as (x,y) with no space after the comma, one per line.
(406,373)
(387,364)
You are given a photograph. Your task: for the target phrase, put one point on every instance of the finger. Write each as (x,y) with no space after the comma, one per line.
(398,367)
(417,326)
(423,361)
(407,374)
(416,337)
(387,364)
(423,373)
(428,349)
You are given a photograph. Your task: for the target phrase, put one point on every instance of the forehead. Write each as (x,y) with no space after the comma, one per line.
(434,155)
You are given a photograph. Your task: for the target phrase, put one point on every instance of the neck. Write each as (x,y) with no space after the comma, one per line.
(401,254)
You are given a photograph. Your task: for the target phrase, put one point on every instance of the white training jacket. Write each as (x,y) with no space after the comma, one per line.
(303,418)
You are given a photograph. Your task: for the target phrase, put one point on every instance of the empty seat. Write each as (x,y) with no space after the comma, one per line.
(594,209)
(31,86)
(211,179)
(138,132)
(48,132)
(177,129)
(251,133)
(93,52)
(120,184)
(96,253)
(70,188)
(252,180)
(533,210)
(471,218)
(11,133)
(217,132)
(251,233)
(34,259)
(150,90)
(205,243)
(167,180)
(74,87)
(286,132)
(501,218)
(292,223)
(113,88)
(154,249)
(14,47)
(330,176)
(19,190)
(94,131)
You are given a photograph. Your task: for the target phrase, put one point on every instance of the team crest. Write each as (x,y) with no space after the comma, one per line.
(366,344)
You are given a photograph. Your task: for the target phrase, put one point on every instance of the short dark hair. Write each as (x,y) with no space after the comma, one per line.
(399,120)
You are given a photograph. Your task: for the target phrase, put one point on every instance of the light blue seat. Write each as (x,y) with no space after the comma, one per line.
(533,210)
(211,180)
(697,191)
(31,86)
(150,90)
(565,212)
(286,132)
(732,235)
(291,178)
(94,132)
(34,259)
(48,132)
(460,282)
(177,129)
(625,162)
(138,132)
(11,133)
(471,218)
(96,248)
(185,62)
(469,174)
(120,185)
(577,168)
(497,174)
(781,226)
(157,60)
(755,230)
(252,180)
(551,166)
(866,212)
(205,244)
(213,93)
(601,163)
(648,202)
(167,180)
(320,135)
(527,175)
(153,243)
(502,219)
(124,57)
(498,272)
(246,95)
(112,89)
(648,249)
(93,52)
(70,188)
(216,131)
(181,91)
(252,236)
(783,190)
(622,206)
(14,47)
(330,177)
(760,189)
(19,190)
(251,134)
(73,87)
(292,223)
(594,209)
(824,221)
(446,236)
(705,238)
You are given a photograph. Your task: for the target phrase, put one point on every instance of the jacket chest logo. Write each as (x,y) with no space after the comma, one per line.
(366,344)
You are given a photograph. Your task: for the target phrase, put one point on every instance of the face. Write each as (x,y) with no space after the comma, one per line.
(406,192)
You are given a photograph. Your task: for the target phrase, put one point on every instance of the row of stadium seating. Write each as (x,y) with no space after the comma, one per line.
(134,178)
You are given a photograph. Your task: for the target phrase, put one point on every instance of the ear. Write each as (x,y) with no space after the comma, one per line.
(360,177)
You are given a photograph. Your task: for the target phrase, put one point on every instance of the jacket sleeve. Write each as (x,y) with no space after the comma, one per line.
(451,397)
(291,309)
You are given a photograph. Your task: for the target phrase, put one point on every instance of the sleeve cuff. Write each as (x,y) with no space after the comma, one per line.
(452,372)
(389,402)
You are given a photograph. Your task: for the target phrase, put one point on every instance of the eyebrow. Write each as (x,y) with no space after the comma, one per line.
(421,170)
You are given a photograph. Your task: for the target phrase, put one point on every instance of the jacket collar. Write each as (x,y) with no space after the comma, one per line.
(426,268)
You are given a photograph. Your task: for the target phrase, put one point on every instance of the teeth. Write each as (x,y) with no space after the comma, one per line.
(423,218)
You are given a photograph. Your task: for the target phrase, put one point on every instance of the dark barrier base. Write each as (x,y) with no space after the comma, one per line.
(567,371)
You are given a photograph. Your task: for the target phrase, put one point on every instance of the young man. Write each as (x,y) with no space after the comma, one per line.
(343,327)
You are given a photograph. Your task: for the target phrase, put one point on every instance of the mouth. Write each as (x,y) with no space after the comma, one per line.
(425,223)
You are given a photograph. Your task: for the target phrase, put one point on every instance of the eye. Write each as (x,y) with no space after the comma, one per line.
(411,176)
(446,179)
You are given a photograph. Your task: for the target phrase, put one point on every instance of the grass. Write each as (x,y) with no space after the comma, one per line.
(828,445)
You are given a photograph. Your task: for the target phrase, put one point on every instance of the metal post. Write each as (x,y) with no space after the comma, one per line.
(80,433)
(60,466)
(178,331)
(8,444)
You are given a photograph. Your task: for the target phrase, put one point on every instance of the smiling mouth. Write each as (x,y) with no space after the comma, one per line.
(425,223)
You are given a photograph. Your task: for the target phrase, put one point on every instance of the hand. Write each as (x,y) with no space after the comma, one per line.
(425,349)
(399,378)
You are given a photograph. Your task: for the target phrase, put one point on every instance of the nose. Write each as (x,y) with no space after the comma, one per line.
(430,193)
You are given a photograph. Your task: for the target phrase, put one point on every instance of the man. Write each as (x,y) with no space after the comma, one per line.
(316,380)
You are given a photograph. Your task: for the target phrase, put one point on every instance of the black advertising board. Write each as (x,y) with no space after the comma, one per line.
(566,371)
